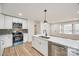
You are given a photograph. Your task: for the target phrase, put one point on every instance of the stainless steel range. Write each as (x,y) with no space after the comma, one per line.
(17,33)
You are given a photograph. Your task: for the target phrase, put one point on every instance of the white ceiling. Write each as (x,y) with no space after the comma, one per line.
(55,11)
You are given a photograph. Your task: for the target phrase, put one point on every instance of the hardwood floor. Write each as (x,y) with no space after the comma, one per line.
(21,50)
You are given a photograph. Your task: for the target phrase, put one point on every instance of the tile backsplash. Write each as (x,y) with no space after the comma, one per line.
(9,31)
(5,31)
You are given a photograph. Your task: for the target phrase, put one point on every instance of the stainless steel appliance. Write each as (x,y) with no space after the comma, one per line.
(17,33)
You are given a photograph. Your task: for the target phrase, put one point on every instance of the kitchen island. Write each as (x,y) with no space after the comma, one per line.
(55,46)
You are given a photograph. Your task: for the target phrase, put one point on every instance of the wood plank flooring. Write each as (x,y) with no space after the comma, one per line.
(21,50)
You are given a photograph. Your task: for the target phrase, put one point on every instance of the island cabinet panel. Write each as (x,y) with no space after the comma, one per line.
(48,48)
(44,46)
(57,50)
(41,45)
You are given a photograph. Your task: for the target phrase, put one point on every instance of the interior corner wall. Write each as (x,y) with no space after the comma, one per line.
(30,30)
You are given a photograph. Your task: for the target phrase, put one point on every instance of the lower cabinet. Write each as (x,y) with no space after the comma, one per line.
(48,48)
(8,41)
(44,46)
(57,50)
(73,52)
(1,46)
(41,45)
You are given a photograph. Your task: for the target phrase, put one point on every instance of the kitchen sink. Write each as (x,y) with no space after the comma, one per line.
(45,37)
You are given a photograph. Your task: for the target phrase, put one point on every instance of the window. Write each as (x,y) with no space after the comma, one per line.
(76,28)
(60,28)
(56,28)
(68,28)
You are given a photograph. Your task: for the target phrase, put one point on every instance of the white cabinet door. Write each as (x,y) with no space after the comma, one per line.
(1,45)
(8,22)
(38,44)
(8,40)
(25,24)
(25,37)
(1,21)
(44,47)
(73,52)
(41,45)
(17,20)
(1,48)
(35,43)
(20,20)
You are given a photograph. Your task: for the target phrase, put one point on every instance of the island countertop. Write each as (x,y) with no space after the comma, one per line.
(62,41)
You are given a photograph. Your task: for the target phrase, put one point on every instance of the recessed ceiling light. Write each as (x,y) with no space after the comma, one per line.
(20,14)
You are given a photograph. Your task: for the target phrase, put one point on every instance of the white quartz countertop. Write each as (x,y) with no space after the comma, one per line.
(62,41)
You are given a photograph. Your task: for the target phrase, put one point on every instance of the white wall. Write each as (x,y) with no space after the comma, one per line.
(30,29)
(37,29)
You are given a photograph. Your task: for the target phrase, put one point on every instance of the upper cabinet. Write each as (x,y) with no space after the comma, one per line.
(25,24)
(22,21)
(8,22)
(17,20)
(1,21)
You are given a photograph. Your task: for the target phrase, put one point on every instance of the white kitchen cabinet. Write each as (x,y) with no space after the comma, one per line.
(1,47)
(44,46)
(8,22)
(25,37)
(1,44)
(73,52)
(8,40)
(17,20)
(23,21)
(38,44)
(1,21)
(25,24)
(20,20)
(34,42)
(41,45)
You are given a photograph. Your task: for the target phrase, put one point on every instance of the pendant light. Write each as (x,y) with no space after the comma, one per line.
(45,21)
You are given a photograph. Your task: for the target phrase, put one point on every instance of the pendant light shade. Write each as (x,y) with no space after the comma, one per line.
(45,21)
